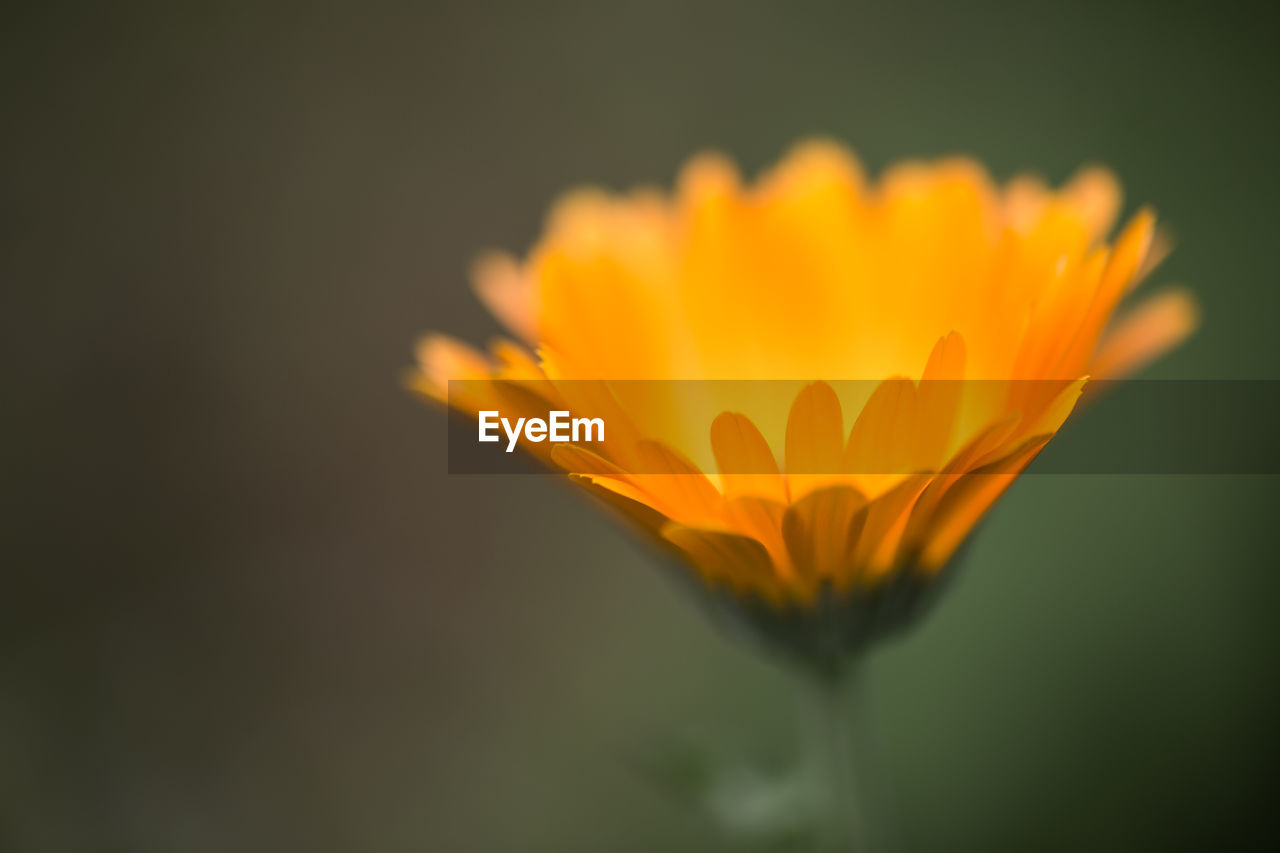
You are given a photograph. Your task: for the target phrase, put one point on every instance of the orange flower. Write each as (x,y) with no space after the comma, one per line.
(816,496)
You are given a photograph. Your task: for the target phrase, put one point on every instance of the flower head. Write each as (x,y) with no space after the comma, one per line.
(818,510)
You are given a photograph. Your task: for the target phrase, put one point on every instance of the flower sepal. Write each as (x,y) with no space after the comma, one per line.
(826,636)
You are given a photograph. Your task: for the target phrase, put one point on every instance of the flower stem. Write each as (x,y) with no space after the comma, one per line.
(834,701)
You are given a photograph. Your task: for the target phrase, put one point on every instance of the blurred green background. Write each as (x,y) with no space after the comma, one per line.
(245,608)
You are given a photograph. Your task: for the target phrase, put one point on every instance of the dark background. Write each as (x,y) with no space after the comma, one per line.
(244,607)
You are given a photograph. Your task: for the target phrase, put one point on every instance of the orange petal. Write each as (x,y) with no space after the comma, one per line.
(1095,195)
(596,398)
(938,400)
(968,501)
(992,441)
(679,488)
(441,359)
(508,293)
(739,562)
(623,499)
(579,460)
(1130,254)
(515,362)
(746,464)
(761,519)
(1161,247)
(1147,330)
(884,437)
(815,438)
(821,531)
(887,518)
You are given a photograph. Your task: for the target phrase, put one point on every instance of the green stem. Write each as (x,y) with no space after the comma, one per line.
(834,702)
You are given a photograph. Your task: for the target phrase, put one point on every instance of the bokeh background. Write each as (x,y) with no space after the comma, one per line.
(245,608)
